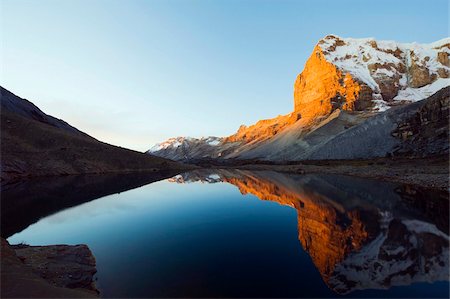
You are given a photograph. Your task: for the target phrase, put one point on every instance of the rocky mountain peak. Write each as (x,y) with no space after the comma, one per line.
(344,81)
(389,72)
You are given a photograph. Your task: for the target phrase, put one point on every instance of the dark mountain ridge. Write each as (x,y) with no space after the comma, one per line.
(36,144)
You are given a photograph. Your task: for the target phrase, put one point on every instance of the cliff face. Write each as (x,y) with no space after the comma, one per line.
(322,88)
(360,77)
(426,131)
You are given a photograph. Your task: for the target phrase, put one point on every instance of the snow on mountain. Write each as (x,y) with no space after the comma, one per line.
(173,143)
(392,260)
(186,148)
(408,66)
(344,82)
(357,55)
(417,94)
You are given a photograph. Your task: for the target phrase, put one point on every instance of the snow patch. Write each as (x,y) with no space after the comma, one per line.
(214,176)
(420,227)
(369,60)
(417,94)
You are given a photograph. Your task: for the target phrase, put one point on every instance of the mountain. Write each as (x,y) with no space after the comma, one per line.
(13,104)
(359,235)
(36,144)
(186,147)
(345,83)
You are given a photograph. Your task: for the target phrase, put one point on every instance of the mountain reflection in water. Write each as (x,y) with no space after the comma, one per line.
(359,234)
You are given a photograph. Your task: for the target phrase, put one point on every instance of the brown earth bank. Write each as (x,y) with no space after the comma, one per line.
(430,172)
(56,271)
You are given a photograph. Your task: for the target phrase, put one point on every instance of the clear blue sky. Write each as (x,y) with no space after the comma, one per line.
(133,73)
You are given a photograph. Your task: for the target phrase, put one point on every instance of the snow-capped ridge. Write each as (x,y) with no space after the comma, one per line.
(176,142)
(404,65)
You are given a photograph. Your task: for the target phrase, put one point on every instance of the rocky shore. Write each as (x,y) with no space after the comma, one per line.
(431,172)
(55,271)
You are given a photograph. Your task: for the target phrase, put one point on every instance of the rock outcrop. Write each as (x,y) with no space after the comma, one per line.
(416,130)
(58,271)
(426,132)
(322,88)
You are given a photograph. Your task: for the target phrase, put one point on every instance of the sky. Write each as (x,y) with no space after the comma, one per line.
(134,73)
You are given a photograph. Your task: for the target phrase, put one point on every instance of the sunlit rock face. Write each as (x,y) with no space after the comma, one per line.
(358,75)
(354,78)
(322,88)
(358,234)
(263,129)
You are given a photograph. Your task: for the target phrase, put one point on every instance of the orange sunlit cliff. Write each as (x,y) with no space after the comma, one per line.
(325,84)
(345,83)
(320,89)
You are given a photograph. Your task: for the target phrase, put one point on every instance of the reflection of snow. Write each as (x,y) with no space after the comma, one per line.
(384,263)
(214,176)
(424,227)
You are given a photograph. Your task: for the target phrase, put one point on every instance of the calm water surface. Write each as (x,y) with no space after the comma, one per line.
(229,233)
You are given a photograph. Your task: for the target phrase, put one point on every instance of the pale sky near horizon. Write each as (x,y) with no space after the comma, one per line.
(133,73)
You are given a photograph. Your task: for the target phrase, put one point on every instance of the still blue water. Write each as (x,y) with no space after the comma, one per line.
(200,239)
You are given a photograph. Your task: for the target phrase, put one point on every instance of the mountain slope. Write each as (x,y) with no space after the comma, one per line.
(14,104)
(344,82)
(418,129)
(35,144)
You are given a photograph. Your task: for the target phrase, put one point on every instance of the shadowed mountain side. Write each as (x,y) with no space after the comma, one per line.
(416,130)
(26,202)
(14,104)
(35,144)
(360,234)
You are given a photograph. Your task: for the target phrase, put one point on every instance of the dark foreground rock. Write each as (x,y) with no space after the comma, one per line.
(57,271)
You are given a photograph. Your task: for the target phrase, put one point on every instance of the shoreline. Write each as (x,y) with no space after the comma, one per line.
(430,172)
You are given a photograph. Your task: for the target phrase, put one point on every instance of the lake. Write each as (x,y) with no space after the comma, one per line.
(237,233)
